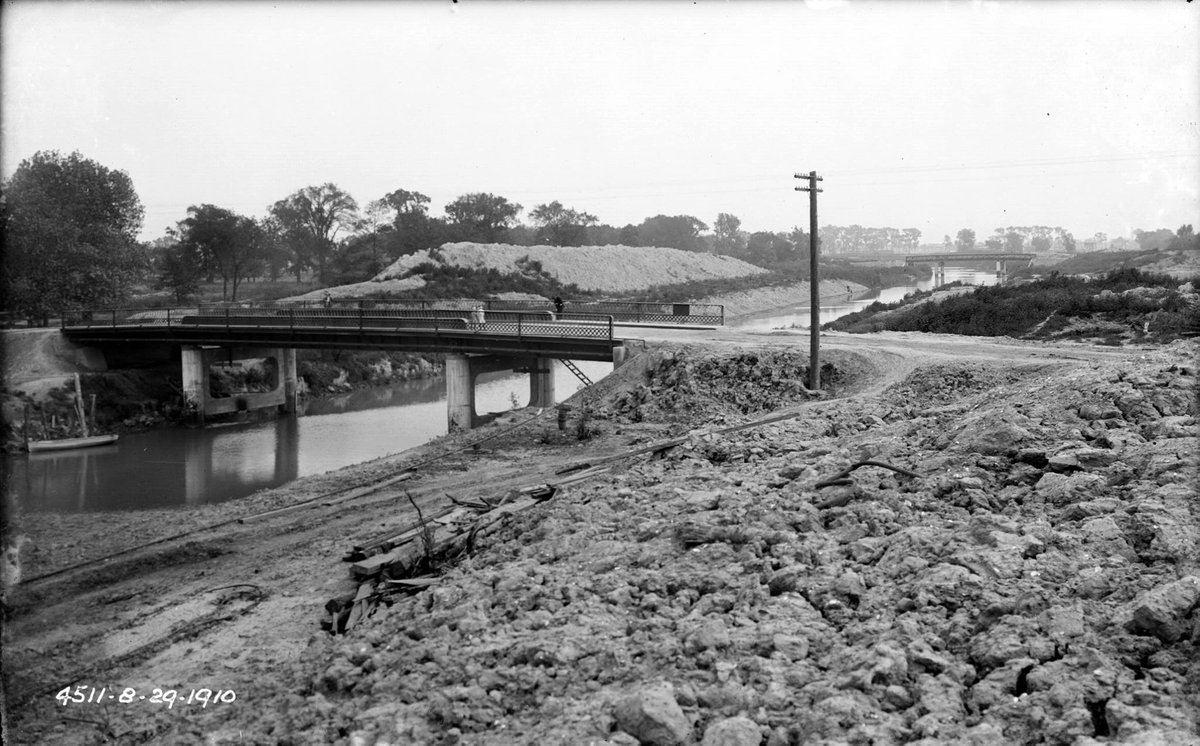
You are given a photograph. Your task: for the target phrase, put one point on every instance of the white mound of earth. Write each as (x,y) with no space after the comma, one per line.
(603,268)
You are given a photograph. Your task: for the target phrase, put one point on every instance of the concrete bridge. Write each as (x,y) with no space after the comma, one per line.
(939,262)
(475,336)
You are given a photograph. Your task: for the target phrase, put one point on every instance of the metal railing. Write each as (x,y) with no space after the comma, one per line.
(706,314)
(344,317)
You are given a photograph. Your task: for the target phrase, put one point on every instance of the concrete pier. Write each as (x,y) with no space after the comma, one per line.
(197,360)
(462,370)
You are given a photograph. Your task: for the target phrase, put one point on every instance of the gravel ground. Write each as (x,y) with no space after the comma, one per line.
(1036,581)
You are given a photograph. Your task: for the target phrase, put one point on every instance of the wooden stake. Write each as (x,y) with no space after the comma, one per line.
(83,427)
(26,428)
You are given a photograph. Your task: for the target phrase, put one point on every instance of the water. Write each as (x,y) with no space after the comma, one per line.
(799,316)
(171,468)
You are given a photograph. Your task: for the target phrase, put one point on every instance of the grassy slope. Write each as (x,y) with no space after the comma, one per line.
(1121,305)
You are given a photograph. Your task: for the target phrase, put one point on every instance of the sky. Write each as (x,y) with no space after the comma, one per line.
(930,115)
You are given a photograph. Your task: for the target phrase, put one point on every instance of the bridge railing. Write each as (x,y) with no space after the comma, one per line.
(706,314)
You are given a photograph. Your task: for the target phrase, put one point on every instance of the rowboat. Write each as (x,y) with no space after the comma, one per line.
(64,444)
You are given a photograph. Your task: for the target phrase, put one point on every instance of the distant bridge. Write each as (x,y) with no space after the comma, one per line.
(940,260)
(506,336)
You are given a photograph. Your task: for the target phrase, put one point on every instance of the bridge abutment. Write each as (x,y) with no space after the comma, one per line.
(462,370)
(196,361)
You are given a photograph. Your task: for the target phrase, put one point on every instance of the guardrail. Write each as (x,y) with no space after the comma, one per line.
(706,314)
(358,318)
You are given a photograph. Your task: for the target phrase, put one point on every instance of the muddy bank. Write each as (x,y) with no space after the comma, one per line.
(768,298)
(1037,582)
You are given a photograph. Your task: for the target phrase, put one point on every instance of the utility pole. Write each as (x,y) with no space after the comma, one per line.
(814,355)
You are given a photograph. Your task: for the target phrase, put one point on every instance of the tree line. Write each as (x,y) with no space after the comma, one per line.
(71,227)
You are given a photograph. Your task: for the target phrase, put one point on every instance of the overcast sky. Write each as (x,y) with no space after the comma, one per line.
(937,116)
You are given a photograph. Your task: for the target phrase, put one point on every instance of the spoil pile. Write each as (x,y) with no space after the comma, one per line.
(1038,583)
(603,268)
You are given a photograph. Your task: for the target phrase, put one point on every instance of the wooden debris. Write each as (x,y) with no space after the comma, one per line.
(842,477)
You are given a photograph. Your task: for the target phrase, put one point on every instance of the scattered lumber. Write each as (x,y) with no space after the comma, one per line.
(409,561)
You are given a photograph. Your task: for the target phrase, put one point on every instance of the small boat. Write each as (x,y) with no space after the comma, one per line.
(63,444)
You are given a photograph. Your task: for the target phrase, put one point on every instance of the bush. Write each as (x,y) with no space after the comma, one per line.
(1046,305)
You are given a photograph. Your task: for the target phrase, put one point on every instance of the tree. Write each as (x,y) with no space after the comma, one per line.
(1152,240)
(1014,241)
(561,226)
(378,217)
(911,238)
(481,217)
(628,236)
(232,244)
(277,252)
(676,232)
(965,241)
(413,228)
(70,232)
(602,235)
(799,239)
(728,237)
(179,266)
(317,213)
(1185,239)
(765,248)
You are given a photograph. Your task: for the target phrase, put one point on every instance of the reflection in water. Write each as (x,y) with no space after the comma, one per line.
(170,468)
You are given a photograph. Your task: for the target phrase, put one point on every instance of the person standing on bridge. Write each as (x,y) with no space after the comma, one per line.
(558,305)
(328,299)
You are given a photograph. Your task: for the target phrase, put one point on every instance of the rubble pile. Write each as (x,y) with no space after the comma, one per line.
(1037,582)
(691,385)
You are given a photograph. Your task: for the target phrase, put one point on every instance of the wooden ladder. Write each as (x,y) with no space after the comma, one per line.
(571,366)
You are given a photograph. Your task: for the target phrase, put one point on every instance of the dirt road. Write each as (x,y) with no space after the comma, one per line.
(1055,508)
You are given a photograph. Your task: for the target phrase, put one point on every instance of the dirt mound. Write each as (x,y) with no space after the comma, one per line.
(602,268)
(36,354)
(714,385)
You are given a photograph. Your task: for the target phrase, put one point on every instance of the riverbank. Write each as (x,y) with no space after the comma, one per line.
(1036,581)
(761,300)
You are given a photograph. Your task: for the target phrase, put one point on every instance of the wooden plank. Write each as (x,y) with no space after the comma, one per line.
(369,489)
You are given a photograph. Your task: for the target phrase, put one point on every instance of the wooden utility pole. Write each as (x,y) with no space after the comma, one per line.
(814,355)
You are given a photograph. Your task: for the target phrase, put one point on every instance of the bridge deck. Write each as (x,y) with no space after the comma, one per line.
(968,257)
(580,337)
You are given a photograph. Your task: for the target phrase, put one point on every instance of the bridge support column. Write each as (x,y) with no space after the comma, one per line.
(462,370)
(1001,271)
(541,382)
(195,381)
(939,274)
(286,359)
(619,355)
(460,392)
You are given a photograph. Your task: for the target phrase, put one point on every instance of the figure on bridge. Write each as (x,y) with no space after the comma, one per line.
(328,299)
(558,305)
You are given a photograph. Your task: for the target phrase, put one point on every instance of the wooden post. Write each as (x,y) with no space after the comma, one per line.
(83,426)
(25,429)
(92,415)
